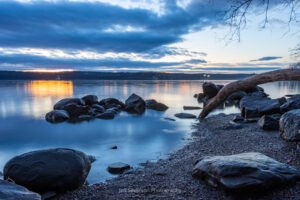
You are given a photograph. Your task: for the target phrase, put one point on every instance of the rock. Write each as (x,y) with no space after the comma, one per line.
(200,97)
(59,105)
(282,100)
(290,125)
(106,115)
(238,118)
(114,147)
(195,96)
(237,95)
(135,104)
(185,115)
(245,172)
(255,106)
(291,104)
(10,191)
(56,116)
(92,158)
(1,175)
(85,117)
(191,107)
(98,108)
(51,170)
(210,89)
(254,89)
(258,94)
(219,87)
(154,105)
(118,168)
(251,120)
(113,110)
(169,119)
(234,125)
(75,110)
(267,122)
(90,99)
(111,103)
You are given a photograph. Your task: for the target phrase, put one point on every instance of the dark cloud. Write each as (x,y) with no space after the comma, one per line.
(267,58)
(98,26)
(196,61)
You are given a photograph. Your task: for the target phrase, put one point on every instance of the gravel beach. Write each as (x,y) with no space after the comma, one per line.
(172,178)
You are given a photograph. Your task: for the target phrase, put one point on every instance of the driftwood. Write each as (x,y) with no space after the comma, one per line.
(277,75)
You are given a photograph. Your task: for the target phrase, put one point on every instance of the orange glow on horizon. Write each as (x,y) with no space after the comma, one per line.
(49,88)
(48,70)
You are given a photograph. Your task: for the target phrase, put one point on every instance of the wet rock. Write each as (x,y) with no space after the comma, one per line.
(282,100)
(267,122)
(219,87)
(75,110)
(234,125)
(118,168)
(154,105)
(290,125)
(195,95)
(238,118)
(251,120)
(236,95)
(98,108)
(1,175)
(191,107)
(169,119)
(254,89)
(245,172)
(56,116)
(200,97)
(255,106)
(59,105)
(135,104)
(51,170)
(10,191)
(210,89)
(113,110)
(90,99)
(114,147)
(111,103)
(85,117)
(291,104)
(185,115)
(258,94)
(92,158)
(106,115)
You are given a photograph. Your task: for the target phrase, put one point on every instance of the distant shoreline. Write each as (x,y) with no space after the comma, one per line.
(81,75)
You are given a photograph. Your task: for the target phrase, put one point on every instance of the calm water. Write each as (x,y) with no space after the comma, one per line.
(23,105)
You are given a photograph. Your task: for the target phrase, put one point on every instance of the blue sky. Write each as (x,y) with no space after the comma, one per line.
(147,35)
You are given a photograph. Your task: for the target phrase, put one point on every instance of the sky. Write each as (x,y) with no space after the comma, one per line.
(187,36)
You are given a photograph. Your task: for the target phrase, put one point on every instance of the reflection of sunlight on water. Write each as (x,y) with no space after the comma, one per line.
(49,88)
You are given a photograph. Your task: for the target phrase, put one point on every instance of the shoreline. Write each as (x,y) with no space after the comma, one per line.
(171,178)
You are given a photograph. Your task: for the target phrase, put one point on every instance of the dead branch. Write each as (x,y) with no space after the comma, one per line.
(277,75)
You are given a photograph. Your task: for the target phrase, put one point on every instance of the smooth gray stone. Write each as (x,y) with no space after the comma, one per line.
(111,103)
(56,116)
(154,105)
(290,126)
(118,168)
(90,99)
(135,104)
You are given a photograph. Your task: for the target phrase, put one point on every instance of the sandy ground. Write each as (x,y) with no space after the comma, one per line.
(171,178)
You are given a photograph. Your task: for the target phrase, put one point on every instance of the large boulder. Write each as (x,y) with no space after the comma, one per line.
(245,172)
(111,103)
(267,122)
(90,99)
(256,106)
(10,191)
(75,110)
(210,89)
(135,104)
(290,125)
(291,104)
(60,104)
(56,116)
(154,105)
(51,170)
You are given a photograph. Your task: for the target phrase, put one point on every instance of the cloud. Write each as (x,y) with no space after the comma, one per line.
(267,58)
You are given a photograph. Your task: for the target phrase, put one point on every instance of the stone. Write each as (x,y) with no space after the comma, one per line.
(10,191)
(98,108)
(267,122)
(113,110)
(90,99)
(234,125)
(118,168)
(256,106)
(290,126)
(111,103)
(60,104)
(191,108)
(1,175)
(50,170)
(238,118)
(56,116)
(258,94)
(282,100)
(291,104)
(169,119)
(85,117)
(185,115)
(154,105)
(245,172)
(106,115)
(75,110)
(114,147)
(210,89)
(236,95)
(219,87)
(135,104)
(200,97)
(254,89)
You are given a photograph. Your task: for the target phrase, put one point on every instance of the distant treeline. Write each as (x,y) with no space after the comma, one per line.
(13,75)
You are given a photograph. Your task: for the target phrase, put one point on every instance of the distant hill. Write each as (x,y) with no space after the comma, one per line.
(80,75)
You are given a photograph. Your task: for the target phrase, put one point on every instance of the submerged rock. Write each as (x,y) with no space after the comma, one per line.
(210,89)
(290,125)
(51,170)
(106,115)
(111,103)
(154,105)
(135,104)
(191,108)
(185,115)
(90,99)
(56,116)
(267,122)
(10,191)
(60,104)
(245,172)
(291,104)
(118,168)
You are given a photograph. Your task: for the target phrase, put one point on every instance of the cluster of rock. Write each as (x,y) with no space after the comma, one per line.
(89,107)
